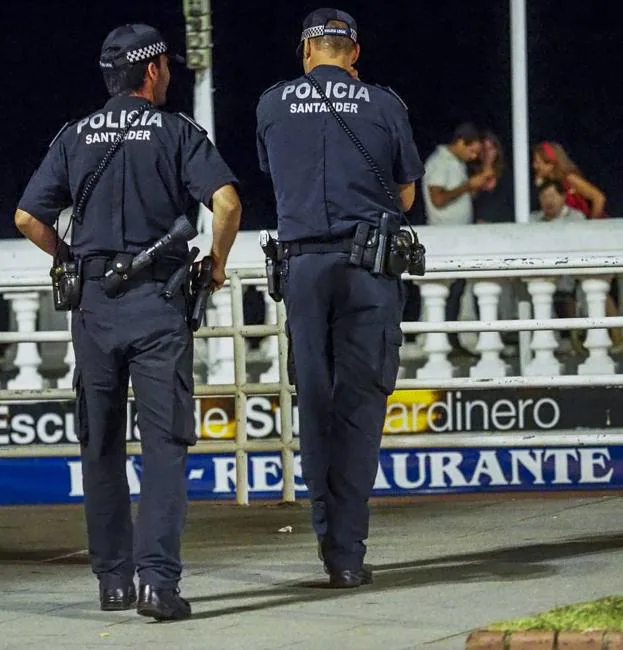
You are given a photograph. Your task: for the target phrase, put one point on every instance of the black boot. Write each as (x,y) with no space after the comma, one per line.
(117,599)
(162,604)
(350,579)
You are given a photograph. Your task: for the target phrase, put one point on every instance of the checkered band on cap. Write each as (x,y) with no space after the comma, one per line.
(321,30)
(147,52)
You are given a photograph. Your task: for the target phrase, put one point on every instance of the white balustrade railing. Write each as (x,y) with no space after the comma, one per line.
(492,256)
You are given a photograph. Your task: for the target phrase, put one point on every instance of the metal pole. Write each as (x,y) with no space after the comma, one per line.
(199,54)
(521,137)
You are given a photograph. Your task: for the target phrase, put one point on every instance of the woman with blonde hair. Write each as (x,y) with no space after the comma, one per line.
(551,162)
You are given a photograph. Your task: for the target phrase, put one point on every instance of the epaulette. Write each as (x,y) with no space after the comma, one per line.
(279,83)
(389,90)
(192,122)
(60,133)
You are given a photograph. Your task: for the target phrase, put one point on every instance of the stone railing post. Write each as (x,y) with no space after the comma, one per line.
(436,345)
(597,340)
(25,307)
(544,363)
(489,343)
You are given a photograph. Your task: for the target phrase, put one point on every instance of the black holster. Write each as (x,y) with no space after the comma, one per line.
(66,284)
(387,250)
(273,264)
(200,290)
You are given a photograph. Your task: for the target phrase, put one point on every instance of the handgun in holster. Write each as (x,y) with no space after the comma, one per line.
(270,247)
(200,291)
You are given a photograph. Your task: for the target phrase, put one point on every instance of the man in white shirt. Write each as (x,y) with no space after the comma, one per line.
(448,192)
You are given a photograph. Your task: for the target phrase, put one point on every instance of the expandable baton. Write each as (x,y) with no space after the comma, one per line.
(273,265)
(201,287)
(381,251)
(181,230)
(180,276)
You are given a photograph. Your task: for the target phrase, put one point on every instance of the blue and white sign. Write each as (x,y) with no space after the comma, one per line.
(401,472)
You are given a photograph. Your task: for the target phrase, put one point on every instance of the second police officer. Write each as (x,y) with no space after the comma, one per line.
(344,322)
(165,166)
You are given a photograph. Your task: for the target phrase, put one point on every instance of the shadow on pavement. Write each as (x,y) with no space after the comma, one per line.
(511,563)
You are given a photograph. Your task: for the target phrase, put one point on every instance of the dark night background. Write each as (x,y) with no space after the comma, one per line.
(449,60)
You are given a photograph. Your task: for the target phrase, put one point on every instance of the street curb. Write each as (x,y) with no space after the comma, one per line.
(544,640)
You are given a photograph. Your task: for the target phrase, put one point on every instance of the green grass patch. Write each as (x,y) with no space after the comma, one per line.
(603,614)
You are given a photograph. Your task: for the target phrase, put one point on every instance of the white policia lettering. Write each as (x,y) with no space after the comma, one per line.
(108,120)
(339,90)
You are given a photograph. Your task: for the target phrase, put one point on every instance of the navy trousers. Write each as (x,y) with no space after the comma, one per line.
(344,326)
(141,336)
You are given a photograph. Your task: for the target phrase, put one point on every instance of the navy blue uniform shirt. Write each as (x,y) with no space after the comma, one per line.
(164,167)
(323,185)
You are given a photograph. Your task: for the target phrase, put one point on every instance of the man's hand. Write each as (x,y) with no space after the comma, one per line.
(478,181)
(218,277)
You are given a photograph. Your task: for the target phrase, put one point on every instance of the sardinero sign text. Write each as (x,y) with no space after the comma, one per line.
(400,472)
(408,412)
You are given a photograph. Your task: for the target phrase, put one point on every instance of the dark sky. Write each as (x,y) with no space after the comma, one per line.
(449,60)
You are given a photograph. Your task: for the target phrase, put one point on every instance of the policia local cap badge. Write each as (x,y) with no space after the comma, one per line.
(131,44)
(315,25)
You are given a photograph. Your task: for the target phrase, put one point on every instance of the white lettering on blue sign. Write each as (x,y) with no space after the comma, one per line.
(425,470)
(76,488)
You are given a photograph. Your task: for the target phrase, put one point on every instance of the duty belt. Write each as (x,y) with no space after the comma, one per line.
(94,268)
(293,248)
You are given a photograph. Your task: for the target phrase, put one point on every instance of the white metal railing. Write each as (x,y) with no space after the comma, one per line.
(488,269)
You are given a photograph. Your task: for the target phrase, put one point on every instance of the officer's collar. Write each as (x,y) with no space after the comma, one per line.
(126,101)
(328,67)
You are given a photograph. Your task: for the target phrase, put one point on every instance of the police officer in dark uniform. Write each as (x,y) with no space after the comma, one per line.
(344,322)
(163,168)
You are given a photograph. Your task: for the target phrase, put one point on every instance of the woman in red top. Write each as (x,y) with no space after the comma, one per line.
(550,161)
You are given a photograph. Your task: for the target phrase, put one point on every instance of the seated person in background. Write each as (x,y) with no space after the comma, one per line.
(552,199)
(554,209)
(551,162)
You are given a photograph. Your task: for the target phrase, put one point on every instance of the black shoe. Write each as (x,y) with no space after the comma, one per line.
(350,579)
(162,604)
(115,600)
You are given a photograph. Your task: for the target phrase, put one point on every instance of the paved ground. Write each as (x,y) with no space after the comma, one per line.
(442,568)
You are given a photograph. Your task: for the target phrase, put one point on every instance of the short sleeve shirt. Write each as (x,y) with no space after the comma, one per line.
(165,166)
(323,185)
(445,170)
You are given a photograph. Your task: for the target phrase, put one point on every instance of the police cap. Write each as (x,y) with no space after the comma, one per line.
(131,44)
(315,25)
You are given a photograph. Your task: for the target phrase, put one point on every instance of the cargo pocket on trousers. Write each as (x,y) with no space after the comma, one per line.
(184,410)
(80,409)
(392,340)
